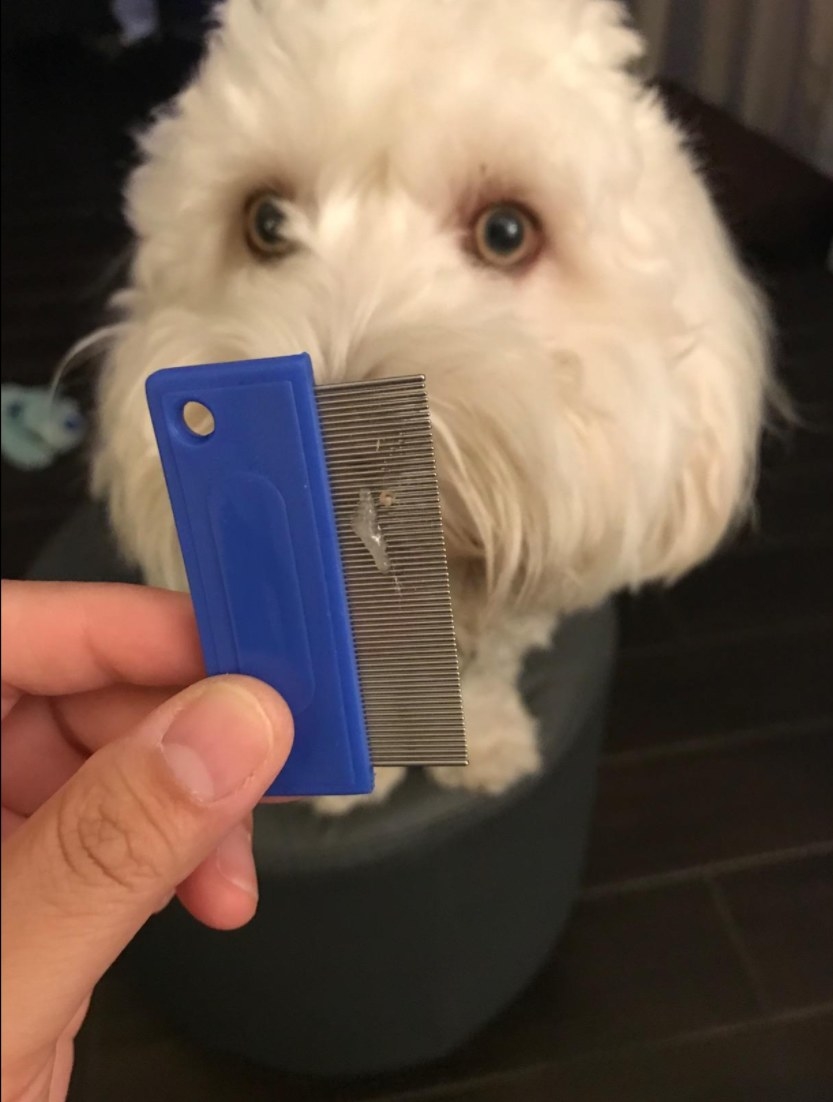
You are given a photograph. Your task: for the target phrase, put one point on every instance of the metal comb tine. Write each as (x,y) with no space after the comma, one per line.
(377,439)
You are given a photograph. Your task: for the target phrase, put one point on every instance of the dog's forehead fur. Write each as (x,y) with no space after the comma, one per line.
(451,41)
(431,96)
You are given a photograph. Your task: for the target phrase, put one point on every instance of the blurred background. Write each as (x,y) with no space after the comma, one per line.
(699,961)
(768,63)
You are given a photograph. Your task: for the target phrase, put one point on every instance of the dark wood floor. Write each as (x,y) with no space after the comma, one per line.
(698,964)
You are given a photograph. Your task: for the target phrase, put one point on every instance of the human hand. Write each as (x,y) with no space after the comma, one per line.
(117,792)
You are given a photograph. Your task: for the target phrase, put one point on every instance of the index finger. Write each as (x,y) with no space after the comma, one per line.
(62,637)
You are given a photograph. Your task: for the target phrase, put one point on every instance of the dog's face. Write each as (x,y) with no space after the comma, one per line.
(474,190)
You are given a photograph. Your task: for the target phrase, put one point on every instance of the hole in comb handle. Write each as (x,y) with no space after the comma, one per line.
(199,420)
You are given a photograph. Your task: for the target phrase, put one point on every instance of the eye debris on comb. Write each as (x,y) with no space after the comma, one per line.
(310,527)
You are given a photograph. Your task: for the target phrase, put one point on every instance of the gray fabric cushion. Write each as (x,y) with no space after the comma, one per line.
(386,937)
(83,550)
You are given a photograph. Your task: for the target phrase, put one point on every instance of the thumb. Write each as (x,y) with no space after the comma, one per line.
(82,875)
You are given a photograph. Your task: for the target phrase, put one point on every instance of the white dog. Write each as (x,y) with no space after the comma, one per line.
(482,192)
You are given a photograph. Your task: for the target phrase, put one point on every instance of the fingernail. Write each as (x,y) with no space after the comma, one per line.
(235,861)
(217,741)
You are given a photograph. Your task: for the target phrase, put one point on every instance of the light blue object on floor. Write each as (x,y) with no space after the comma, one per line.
(39,425)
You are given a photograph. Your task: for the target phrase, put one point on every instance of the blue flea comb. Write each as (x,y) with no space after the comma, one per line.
(310,528)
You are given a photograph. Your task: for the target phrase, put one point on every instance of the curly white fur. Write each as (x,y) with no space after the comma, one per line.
(596,417)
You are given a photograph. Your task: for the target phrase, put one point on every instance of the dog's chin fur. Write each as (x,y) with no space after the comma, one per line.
(596,415)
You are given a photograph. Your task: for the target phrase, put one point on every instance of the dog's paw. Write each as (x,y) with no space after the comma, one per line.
(386,778)
(502,742)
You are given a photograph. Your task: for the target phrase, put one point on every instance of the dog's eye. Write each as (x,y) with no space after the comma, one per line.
(265,225)
(506,236)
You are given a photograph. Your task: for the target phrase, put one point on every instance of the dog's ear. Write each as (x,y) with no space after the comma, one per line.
(724,393)
(609,37)
(677,366)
